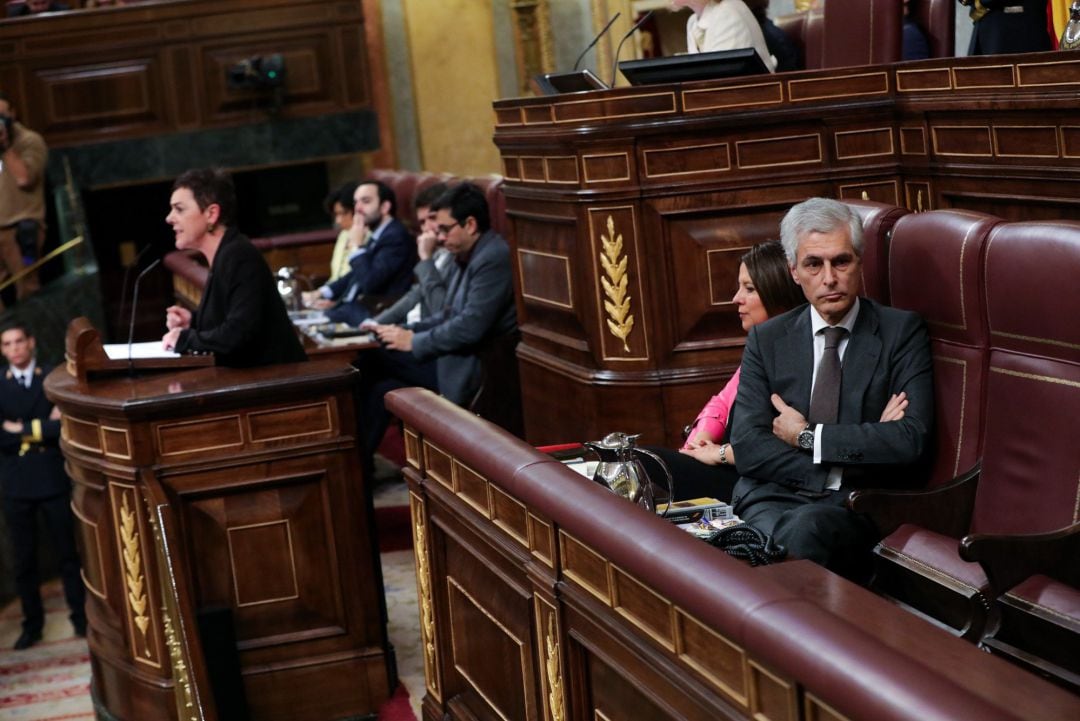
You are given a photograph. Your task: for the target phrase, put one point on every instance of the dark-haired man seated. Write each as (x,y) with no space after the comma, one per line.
(834,396)
(441,352)
(382,267)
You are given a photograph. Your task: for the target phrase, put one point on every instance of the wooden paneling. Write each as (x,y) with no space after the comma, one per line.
(161,67)
(270,524)
(693,173)
(612,629)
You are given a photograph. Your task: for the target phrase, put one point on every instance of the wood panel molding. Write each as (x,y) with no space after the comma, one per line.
(689,172)
(161,68)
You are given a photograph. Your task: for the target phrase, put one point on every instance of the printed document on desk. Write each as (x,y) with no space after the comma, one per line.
(139,351)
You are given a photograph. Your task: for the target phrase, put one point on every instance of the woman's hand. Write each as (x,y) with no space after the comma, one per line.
(170,339)
(710,453)
(177,318)
(697,436)
(894,409)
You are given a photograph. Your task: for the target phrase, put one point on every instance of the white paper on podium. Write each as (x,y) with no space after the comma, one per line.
(139,351)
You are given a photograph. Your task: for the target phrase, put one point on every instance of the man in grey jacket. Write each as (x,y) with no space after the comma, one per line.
(441,352)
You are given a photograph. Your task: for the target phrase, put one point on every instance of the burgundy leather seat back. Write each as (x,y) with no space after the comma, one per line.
(878,220)
(863,32)
(937,18)
(936,270)
(1031,448)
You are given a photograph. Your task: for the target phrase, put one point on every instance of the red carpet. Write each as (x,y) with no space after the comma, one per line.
(397,707)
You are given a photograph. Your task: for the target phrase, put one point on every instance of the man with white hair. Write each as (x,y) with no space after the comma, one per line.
(834,396)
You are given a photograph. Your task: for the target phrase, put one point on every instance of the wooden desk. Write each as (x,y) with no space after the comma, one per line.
(339,350)
(226,488)
(677,181)
(544,596)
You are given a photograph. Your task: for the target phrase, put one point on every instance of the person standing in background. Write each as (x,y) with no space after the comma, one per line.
(34,482)
(23,154)
(1008,26)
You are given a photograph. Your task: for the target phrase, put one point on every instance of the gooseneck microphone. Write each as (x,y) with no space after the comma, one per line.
(615,62)
(127,275)
(596,39)
(134,307)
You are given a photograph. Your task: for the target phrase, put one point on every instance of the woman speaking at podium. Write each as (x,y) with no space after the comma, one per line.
(241,318)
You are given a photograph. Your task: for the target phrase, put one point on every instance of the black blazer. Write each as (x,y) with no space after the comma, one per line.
(1011,26)
(39,471)
(241,318)
(888,352)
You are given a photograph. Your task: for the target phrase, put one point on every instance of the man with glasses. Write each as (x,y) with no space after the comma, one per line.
(441,352)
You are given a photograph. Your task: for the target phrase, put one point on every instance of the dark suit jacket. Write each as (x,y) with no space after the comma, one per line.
(39,471)
(383,267)
(479,307)
(1000,31)
(888,352)
(241,318)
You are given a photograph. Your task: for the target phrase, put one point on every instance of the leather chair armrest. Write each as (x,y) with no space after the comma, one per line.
(1009,559)
(946,509)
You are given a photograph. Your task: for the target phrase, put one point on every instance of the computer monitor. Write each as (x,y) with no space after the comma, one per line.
(572,82)
(698,66)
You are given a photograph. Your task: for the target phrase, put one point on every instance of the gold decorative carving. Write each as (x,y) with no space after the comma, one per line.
(427,611)
(129,536)
(186,706)
(533,39)
(615,280)
(554,673)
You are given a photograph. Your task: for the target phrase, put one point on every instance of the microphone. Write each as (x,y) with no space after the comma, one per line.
(615,62)
(134,306)
(127,274)
(596,40)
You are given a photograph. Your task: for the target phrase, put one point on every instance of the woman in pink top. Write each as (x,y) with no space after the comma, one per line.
(705,465)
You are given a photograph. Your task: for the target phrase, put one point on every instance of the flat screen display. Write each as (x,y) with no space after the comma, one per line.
(699,66)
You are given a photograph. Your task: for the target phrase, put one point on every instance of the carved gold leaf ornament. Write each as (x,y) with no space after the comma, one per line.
(427,616)
(554,676)
(129,537)
(615,282)
(185,694)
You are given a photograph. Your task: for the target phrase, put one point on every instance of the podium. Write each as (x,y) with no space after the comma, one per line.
(201,489)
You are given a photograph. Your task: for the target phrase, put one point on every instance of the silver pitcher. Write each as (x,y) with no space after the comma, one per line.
(623,474)
(288,286)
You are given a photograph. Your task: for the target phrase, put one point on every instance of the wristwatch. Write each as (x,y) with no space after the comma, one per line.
(806,438)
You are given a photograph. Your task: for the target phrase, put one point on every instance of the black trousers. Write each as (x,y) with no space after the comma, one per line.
(817,527)
(21,515)
(382,371)
(693,479)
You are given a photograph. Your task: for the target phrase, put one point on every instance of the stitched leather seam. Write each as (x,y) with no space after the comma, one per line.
(1041,608)
(931,571)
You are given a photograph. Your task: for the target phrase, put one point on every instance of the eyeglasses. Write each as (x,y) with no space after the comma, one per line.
(445,229)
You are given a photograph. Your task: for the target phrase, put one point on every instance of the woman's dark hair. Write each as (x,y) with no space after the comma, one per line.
(343,196)
(769,271)
(211,186)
